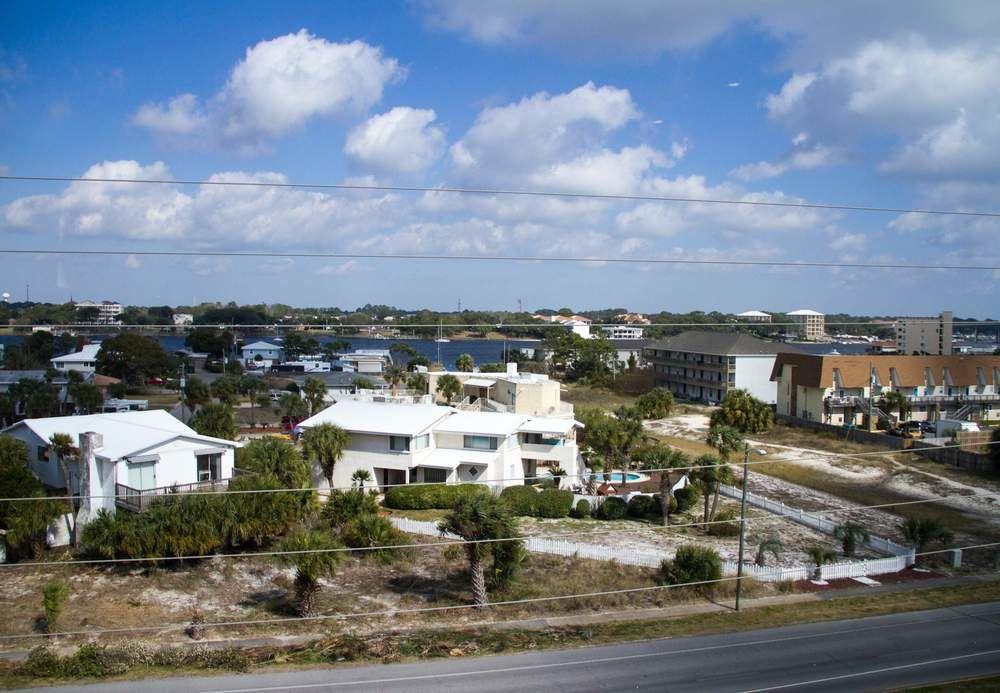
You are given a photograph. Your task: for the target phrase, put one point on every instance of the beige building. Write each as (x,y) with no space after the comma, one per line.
(512,392)
(922,336)
(838,390)
(809,324)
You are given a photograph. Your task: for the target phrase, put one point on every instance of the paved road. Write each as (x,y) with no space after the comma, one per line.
(870,654)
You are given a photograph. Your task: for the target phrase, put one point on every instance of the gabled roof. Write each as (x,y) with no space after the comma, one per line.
(125,433)
(87,353)
(261,346)
(379,418)
(721,343)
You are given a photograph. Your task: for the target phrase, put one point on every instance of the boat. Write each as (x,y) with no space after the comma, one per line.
(441,338)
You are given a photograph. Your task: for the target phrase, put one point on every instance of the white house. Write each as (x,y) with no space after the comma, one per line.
(257,352)
(84,360)
(413,443)
(183,319)
(138,455)
(372,361)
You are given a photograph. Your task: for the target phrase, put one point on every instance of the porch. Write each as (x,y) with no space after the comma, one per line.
(136,500)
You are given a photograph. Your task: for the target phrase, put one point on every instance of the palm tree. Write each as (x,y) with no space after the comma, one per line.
(325,444)
(217,420)
(418,382)
(666,460)
(725,439)
(293,406)
(62,446)
(477,519)
(921,532)
(711,472)
(465,363)
(895,400)
(251,387)
(310,567)
(850,534)
(361,478)
(394,374)
(767,544)
(448,386)
(314,392)
(595,464)
(820,556)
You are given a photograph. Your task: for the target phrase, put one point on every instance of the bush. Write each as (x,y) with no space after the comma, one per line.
(54,596)
(613,508)
(655,404)
(686,498)
(727,524)
(582,509)
(343,506)
(367,530)
(692,563)
(526,501)
(431,496)
(643,507)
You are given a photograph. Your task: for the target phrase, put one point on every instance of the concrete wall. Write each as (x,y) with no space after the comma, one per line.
(753,374)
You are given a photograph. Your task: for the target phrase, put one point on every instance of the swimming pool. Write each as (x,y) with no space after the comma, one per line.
(616,477)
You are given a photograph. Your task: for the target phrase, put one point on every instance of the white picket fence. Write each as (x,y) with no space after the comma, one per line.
(821,524)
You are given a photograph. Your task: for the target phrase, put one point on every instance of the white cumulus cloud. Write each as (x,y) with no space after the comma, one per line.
(403,139)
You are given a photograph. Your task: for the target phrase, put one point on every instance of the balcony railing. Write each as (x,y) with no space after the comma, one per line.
(137,500)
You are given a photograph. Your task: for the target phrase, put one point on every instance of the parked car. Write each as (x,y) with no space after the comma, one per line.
(927,427)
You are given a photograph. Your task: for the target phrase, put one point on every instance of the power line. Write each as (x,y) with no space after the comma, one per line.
(509,192)
(504,258)
(451,607)
(491,325)
(818,453)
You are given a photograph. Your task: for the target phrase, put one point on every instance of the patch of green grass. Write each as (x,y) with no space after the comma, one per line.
(585,396)
(429,515)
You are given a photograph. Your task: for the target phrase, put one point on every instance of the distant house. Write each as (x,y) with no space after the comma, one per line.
(183,319)
(84,361)
(753,316)
(140,455)
(256,352)
(622,331)
(60,383)
(364,361)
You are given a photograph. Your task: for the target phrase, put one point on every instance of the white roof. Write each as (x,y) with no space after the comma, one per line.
(446,458)
(87,353)
(260,346)
(805,311)
(480,382)
(379,418)
(754,314)
(125,433)
(548,424)
(482,423)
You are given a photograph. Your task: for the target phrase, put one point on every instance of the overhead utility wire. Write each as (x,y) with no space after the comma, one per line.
(491,325)
(506,192)
(504,258)
(450,542)
(452,607)
(847,455)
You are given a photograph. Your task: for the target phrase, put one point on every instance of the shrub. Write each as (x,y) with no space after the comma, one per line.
(613,508)
(582,509)
(727,524)
(368,530)
(686,498)
(643,507)
(692,563)
(526,501)
(655,404)
(343,506)
(428,496)
(54,596)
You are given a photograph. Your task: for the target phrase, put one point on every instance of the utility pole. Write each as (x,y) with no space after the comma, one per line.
(743,524)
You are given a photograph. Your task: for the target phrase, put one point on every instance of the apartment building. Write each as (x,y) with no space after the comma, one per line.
(925,336)
(427,443)
(839,390)
(623,332)
(704,366)
(105,312)
(511,392)
(810,325)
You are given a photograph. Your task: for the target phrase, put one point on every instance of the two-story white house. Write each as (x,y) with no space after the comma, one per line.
(84,361)
(426,443)
(142,454)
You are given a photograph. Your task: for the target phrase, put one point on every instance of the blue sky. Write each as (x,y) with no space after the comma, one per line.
(696,99)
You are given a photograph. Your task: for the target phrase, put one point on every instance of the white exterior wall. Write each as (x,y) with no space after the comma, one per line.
(753,374)
(177,463)
(49,472)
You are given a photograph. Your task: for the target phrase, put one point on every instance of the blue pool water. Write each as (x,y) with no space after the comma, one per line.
(617,477)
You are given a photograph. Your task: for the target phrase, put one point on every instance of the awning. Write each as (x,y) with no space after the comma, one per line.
(480,382)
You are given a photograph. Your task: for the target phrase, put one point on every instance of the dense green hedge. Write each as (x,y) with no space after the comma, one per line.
(693,563)
(582,509)
(644,507)
(686,498)
(428,496)
(549,502)
(613,508)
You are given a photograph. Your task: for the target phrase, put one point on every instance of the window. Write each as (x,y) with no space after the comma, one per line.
(399,443)
(421,442)
(481,442)
(210,467)
(43,453)
(435,476)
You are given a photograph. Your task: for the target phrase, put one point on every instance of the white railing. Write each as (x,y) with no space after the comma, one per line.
(816,522)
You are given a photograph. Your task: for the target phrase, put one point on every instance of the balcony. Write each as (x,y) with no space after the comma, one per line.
(137,500)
